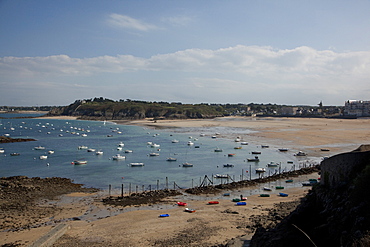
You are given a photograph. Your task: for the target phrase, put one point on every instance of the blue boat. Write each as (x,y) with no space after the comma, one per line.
(283,194)
(241,204)
(164,215)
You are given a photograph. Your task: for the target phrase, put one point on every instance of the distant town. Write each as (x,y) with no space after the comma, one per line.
(351,108)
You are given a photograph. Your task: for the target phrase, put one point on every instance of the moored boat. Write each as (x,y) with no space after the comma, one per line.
(181,203)
(221,176)
(230,155)
(187,164)
(39,148)
(136,164)
(241,204)
(79,162)
(43,157)
(255,159)
(171,159)
(272,164)
(260,170)
(228,165)
(118,157)
(301,153)
(256,152)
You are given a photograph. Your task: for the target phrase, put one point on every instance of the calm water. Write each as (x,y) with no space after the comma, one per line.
(64,137)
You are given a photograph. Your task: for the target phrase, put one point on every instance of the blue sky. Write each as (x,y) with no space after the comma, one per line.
(285,52)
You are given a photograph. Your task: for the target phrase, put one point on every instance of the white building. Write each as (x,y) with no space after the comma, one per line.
(359,108)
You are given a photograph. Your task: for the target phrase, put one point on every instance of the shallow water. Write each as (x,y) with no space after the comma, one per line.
(101,171)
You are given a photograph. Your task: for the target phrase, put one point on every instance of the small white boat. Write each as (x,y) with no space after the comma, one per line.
(187,164)
(99,152)
(79,162)
(171,159)
(128,151)
(267,189)
(154,154)
(118,157)
(121,144)
(2,151)
(244,143)
(260,170)
(119,148)
(43,157)
(175,141)
(136,164)
(155,145)
(221,176)
(83,135)
(190,143)
(91,150)
(83,147)
(218,150)
(39,148)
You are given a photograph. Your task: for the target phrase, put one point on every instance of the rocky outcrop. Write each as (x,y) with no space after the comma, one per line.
(334,213)
(5,139)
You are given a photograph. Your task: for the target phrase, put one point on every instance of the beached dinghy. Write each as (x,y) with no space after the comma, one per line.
(213,202)
(283,194)
(182,203)
(189,210)
(164,215)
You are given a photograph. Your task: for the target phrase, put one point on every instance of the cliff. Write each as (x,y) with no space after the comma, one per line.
(334,213)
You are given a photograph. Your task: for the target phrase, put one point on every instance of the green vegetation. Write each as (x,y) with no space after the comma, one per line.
(102,108)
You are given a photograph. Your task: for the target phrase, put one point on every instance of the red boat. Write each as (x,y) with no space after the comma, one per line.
(213,202)
(181,203)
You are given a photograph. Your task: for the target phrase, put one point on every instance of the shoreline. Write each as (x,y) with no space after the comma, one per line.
(85,213)
(100,225)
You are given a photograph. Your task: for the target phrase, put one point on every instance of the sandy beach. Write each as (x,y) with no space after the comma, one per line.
(210,225)
(308,134)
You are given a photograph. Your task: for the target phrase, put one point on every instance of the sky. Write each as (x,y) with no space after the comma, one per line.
(211,51)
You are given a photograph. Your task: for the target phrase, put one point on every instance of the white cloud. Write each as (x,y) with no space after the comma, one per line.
(124,21)
(228,74)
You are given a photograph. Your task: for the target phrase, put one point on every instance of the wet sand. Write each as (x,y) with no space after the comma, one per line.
(308,134)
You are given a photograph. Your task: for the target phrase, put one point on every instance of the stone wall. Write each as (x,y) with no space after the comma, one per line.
(341,168)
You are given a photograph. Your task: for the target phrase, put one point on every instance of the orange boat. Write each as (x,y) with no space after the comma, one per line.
(181,203)
(213,202)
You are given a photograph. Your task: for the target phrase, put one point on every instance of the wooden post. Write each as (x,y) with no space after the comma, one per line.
(110,187)
(250,172)
(122,190)
(242,174)
(166,183)
(192,183)
(129,191)
(158,184)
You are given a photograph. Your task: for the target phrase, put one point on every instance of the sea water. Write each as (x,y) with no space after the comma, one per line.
(65,136)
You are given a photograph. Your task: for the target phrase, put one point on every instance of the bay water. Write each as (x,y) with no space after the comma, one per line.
(65,136)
